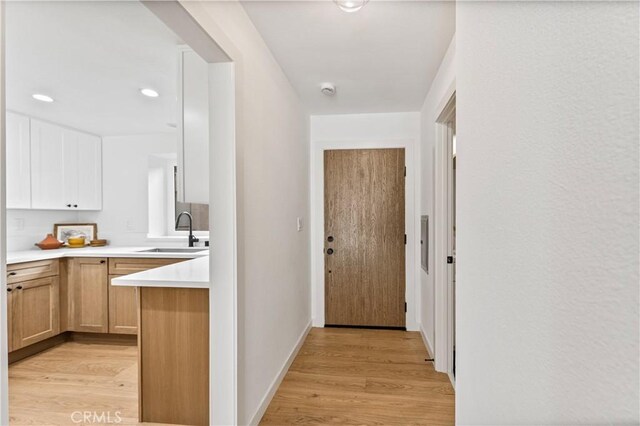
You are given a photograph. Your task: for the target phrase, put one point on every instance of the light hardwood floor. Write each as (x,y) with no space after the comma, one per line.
(47,388)
(354,376)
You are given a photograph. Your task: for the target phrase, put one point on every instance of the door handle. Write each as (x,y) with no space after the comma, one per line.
(330,251)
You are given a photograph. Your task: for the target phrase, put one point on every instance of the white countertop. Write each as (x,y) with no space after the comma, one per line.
(107,251)
(190,274)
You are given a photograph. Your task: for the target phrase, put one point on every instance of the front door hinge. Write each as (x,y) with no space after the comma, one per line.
(405,171)
(449,259)
(405,306)
(405,239)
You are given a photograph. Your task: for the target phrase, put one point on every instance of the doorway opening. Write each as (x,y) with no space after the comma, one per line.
(65,308)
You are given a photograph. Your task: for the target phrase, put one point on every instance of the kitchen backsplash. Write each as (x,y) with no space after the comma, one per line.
(27,227)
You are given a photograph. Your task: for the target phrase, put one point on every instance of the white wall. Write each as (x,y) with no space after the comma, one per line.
(548,282)
(440,92)
(365,131)
(27,227)
(272,151)
(124,218)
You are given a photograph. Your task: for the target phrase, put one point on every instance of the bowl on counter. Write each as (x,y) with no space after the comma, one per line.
(76,242)
(98,243)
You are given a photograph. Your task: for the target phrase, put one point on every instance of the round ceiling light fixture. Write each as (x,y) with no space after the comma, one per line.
(149,93)
(350,5)
(42,98)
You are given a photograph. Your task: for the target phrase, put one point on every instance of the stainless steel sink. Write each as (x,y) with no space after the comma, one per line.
(175,250)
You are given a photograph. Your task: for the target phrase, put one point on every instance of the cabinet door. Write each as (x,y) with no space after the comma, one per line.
(88,287)
(123,309)
(11,335)
(89,169)
(48,190)
(70,164)
(36,311)
(18,162)
(66,168)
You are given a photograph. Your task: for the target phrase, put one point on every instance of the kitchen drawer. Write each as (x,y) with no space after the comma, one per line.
(20,272)
(130,265)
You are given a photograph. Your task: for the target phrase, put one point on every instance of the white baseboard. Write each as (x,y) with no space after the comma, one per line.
(427,343)
(452,379)
(264,404)
(429,346)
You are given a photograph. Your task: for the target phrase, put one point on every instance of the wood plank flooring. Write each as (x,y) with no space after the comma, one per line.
(355,376)
(47,388)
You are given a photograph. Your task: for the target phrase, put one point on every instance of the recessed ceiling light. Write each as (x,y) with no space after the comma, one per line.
(150,93)
(42,98)
(350,5)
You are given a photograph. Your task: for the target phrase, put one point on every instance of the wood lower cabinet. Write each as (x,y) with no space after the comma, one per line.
(131,265)
(123,309)
(48,297)
(88,295)
(34,311)
(10,314)
(20,272)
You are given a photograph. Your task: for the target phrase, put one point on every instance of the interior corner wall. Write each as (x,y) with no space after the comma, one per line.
(272,191)
(441,90)
(548,211)
(365,131)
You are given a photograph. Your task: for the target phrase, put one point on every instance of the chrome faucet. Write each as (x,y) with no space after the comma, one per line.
(192,238)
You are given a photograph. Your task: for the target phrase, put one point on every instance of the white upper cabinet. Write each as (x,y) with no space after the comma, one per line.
(48,166)
(18,162)
(66,168)
(193,128)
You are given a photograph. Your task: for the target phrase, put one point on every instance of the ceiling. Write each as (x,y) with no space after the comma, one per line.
(92,58)
(381,58)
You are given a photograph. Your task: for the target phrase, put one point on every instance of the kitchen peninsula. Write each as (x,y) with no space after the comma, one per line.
(173,342)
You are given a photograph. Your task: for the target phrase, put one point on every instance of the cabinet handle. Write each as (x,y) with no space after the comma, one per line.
(75,205)
(68,205)
(19,287)
(103,261)
(9,290)
(11,274)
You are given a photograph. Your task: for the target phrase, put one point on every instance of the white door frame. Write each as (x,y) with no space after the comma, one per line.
(444,324)
(223,330)
(412,222)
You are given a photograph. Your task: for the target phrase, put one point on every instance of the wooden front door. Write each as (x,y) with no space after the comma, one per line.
(364,237)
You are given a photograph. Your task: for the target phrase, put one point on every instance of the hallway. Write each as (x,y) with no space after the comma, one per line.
(357,376)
